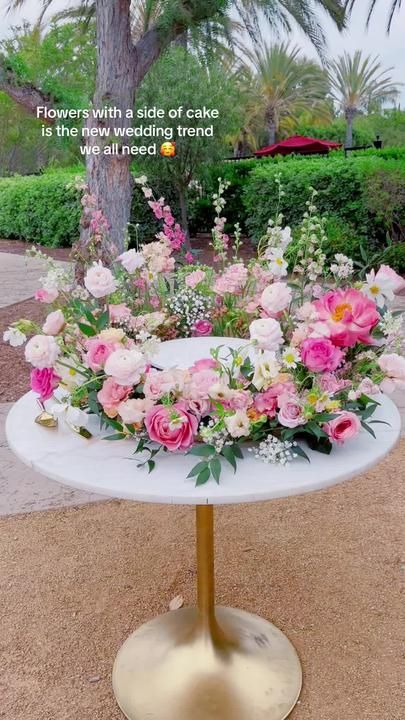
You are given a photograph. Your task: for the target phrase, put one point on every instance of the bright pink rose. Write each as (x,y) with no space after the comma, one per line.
(119,312)
(290,413)
(44,381)
(387,273)
(204,364)
(97,353)
(267,402)
(344,427)
(111,395)
(171,426)
(46,296)
(350,315)
(320,355)
(202,328)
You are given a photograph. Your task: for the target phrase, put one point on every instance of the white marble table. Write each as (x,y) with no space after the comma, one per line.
(207,663)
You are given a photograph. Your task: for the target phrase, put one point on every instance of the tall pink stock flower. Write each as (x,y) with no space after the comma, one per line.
(350,316)
(171,426)
(44,381)
(344,427)
(320,355)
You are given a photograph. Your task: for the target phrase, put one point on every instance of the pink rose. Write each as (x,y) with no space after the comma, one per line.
(111,395)
(275,298)
(393,366)
(201,382)
(159,383)
(290,413)
(119,312)
(171,426)
(44,381)
(194,278)
(97,353)
(387,273)
(344,427)
(42,351)
(46,296)
(99,280)
(204,364)
(131,260)
(54,323)
(202,328)
(267,402)
(320,355)
(350,315)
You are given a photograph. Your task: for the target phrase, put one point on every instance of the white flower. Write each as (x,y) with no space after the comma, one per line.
(42,351)
(125,366)
(267,333)
(291,357)
(238,425)
(378,289)
(275,298)
(277,265)
(99,280)
(266,370)
(343,268)
(141,180)
(219,392)
(131,260)
(391,325)
(14,337)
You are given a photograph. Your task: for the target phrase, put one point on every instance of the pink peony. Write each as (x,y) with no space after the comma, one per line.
(42,351)
(194,278)
(111,396)
(44,381)
(275,298)
(387,273)
(97,353)
(119,312)
(267,402)
(345,426)
(54,323)
(202,328)
(290,413)
(320,355)
(350,315)
(393,366)
(46,296)
(99,280)
(171,426)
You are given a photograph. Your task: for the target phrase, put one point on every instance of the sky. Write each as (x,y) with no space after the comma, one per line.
(391,49)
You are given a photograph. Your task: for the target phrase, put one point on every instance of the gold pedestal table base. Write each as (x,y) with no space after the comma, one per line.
(207,663)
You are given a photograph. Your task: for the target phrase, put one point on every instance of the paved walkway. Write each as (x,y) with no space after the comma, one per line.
(19,277)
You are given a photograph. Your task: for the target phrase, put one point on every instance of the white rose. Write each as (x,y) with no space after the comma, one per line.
(275,298)
(99,280)
(131,260)
(14,337)
(266,370)
(238,425)
(54,323)
(125,366)
(42,351)
(267,333)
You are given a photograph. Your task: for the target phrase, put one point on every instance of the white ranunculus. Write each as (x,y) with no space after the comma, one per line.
(99,280)
(238,425)
(131,260)
(267,333)
(42,351)
(275,298)
(125,366)
(14,337)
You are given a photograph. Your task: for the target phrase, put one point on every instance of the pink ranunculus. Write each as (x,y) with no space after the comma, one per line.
(267,402)
(131,260)
(194,278)
(46,296)
(111,396)
(393,366)
(54,323)
(126,366)
(119,312)
(44,381)
(204,364)
(202,328)
(320,355)
(42,351)
(290,413)
(275,298)
(387,273)
(345,426)
(350,315)
(171,426)
(97,353)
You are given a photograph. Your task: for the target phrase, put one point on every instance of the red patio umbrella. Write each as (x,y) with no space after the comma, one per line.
(298,144)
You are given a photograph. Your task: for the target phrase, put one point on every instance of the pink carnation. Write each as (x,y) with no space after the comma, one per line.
(320,355)
(345,426)
(171,426)
(111,395)
(350,315)
(44,381)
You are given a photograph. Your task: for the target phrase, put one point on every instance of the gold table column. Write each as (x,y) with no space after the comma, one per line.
(208,663)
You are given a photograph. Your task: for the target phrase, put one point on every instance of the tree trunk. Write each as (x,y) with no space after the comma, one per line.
(183,202)
(271,123)
(349,127)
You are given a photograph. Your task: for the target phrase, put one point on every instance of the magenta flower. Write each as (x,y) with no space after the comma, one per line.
(171,426)
(44,381)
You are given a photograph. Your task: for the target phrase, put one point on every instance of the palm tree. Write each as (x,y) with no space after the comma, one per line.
(395,7)
(284,85)
(356,82)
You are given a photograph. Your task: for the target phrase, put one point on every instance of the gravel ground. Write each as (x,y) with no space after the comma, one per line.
(14,371)
(324,567)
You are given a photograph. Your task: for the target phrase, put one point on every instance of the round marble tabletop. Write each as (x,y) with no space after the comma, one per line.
(110,468)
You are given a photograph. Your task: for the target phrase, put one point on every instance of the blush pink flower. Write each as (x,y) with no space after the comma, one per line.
(267,402)
(159,383)
(133,411)
(350,315)
(119,312)
(46,296)
(290,413)
(393,366)
(320,355)
(275,298)
(98,351)
(204,364)
(240,400)
(42,351)
(201,383)
(54,323)
(44,381)
(387,273)
(345,426)
(329,383)
(99,280)
(111,396)
(125,366)
(171,426)
(202,328)
(194,278)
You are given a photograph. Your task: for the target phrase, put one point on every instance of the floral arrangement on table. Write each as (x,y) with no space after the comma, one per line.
(319,345)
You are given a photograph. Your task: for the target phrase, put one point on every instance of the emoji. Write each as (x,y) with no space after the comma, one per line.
(168,149)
